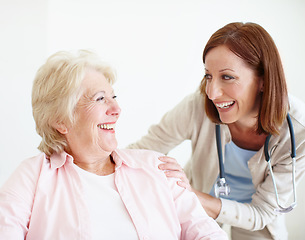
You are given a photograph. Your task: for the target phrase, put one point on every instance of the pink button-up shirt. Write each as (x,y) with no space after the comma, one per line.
(43,199)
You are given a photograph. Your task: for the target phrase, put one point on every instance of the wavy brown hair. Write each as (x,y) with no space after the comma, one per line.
(254,45)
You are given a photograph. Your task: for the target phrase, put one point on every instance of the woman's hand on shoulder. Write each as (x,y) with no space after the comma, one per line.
(173,169)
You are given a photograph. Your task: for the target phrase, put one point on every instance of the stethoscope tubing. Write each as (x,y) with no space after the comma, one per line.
(219,151)
(292,140)
(268,159)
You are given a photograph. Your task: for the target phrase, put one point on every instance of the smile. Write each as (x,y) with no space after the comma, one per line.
(224,105)
(106,126)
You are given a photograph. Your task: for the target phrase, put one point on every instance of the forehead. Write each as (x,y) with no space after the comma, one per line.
(95,81)
(223,57)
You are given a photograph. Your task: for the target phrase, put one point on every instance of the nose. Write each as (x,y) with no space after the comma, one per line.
(113,109)
(213,89)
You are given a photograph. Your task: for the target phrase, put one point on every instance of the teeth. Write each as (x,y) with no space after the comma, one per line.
(224,105)
(106,126)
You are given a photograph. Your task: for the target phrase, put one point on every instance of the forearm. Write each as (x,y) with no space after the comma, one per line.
(156,139)
(211,204)
(175,126)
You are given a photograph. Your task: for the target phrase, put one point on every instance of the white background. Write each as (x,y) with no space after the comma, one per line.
(155,46)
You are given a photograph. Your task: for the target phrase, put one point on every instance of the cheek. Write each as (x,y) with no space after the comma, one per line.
(207,88)
(91,114)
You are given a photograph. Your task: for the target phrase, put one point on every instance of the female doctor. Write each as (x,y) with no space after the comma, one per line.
(244,91)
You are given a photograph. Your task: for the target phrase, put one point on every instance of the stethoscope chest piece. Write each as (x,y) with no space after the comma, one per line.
(221,188)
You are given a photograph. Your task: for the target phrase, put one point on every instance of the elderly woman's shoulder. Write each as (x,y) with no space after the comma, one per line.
(33,162)
(140,158)
(27,173)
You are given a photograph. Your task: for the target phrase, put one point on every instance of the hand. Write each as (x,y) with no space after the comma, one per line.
(173,169)
(211,204)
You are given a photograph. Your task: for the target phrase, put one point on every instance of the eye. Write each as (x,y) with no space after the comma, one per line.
(100,99)
(207,76)
(227,77)
(114,97)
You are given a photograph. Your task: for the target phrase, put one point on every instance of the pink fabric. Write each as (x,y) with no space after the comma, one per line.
(43,199)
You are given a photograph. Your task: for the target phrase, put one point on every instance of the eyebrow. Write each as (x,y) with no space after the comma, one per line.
(94,94)
(102,91)
(222,70)
(227,69)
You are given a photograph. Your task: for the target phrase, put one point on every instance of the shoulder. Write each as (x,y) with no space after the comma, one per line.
(138,158)
(297,115)
(192,107)
(195,99)
(22,183)
(30,166)
(297,109)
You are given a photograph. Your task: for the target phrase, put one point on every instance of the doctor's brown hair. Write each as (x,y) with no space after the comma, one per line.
(254,45)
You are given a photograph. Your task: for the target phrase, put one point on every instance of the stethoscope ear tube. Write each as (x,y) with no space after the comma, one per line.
(292,139)
(219,151)
(267,156)
(293,151)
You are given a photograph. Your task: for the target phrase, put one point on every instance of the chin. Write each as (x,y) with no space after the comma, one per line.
(227,120)
(112,147)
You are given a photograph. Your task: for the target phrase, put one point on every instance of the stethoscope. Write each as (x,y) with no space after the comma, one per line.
(221,187)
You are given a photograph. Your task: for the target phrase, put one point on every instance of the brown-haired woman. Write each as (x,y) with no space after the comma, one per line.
(244,91)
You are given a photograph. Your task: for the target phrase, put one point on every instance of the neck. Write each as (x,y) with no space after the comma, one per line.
(101,167)
(246,137)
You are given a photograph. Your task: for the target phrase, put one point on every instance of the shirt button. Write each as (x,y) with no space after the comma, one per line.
(237,217)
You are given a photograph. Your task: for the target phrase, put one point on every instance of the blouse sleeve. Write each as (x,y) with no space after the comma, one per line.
(195,223)
(16,200)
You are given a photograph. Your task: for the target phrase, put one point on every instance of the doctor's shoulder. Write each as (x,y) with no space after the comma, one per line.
(297,110)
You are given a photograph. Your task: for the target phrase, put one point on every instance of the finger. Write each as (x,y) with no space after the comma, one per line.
(176,174)
(170,167)
(184,185)
(167,159)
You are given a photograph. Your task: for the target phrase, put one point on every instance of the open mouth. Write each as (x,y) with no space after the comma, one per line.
(106,126)
(224,105)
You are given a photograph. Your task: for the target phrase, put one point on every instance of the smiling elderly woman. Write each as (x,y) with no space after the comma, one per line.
(81,186)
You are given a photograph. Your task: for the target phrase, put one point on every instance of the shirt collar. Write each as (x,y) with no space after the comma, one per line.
(120,157)
(57,160)
(123,157)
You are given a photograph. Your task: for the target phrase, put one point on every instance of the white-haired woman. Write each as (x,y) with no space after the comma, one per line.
(81,186)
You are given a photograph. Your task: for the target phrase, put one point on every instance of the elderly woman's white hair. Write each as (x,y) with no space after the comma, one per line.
(56,92)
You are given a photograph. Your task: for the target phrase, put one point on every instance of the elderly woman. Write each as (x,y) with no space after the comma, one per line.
(81,186)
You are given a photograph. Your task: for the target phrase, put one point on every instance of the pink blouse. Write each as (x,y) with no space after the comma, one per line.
(43,199)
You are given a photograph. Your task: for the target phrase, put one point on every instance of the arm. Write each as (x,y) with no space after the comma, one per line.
(211,205)
(174,127)
(260,211)
(195,223)
(16,199)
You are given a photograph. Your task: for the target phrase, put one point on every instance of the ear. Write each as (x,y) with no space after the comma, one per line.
(61,127)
